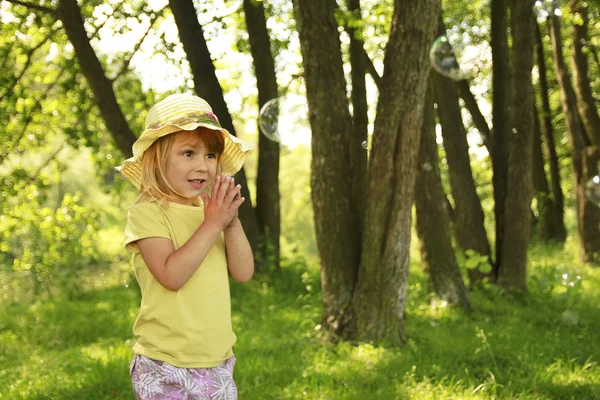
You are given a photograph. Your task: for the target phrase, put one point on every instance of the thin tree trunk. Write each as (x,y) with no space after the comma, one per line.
(588,219)
(517,227)
(336,221)
(267,177)
(377,310)
(358,152)
(469,228)
(501,119)
(547,222)
(207,86)
(433,222)
(104,96)
(554,230)
(464,91)
(585,100)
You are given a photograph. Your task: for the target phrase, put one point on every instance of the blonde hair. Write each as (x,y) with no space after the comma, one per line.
(155,186)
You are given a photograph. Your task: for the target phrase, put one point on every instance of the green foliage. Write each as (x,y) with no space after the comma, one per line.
(50,248)
(507,348)
(477,261)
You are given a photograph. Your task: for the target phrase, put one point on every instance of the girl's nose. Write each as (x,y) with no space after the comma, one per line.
(201,164)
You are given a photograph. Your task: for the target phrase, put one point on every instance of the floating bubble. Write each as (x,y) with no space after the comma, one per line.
(592,190)
(543,9)
(443,57)
(285,120)
(427,167)
(268,119)
(365,145)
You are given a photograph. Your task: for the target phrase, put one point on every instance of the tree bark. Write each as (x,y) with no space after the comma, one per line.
(433,222)
(501,120)
(336,220)
(469,227)
(267,178)
(585,99)
(207,86)
(377,310)
(545,204)
(358,152)
(104,96)
(517,226)
(588,219)
(554,225)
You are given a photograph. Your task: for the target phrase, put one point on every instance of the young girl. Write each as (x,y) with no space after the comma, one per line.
(186,240)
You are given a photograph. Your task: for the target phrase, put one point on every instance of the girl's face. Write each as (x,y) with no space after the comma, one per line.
(190,167)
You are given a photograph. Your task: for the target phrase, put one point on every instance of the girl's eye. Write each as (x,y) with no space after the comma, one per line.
(211,155)
(188,153)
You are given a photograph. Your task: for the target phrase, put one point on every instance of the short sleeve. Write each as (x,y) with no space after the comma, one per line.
(144,220)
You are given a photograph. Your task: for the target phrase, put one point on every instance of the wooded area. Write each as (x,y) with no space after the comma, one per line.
(493,164)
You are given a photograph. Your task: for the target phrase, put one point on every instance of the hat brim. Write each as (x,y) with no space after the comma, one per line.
(231,160)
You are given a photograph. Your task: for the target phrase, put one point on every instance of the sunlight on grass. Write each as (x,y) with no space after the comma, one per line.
(542,345)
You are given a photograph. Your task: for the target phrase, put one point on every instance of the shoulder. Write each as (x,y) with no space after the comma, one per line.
(146,209)
(145,220)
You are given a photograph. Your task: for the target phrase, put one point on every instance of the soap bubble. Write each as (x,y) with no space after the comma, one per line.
(268,120)
(443,57)
(285,120)
(543,9)
(592,190)
(365,145)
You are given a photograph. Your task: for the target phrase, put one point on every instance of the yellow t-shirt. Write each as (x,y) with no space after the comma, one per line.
(189,328)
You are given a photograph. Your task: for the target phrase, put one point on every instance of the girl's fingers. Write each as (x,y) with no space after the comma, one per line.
(238,202)
(225,183)
(216,186)
(233,194)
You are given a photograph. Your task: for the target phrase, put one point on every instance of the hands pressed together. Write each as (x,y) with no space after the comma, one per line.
(221,207)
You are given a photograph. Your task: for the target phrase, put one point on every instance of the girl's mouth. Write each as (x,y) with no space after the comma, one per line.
(196,183)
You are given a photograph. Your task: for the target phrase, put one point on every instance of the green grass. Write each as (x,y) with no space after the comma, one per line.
(544,345)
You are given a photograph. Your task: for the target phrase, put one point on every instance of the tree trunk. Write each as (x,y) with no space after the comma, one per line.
(501,119)
(207,86)
(585,99)
(267,177)
(104,96)
(377,310)
(433,223)
(336,220)
(517,226)
(469,228)
(546,222)
(358,152)
(554,225)
(588,219)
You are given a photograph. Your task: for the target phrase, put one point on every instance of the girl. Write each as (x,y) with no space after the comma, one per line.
(186,239)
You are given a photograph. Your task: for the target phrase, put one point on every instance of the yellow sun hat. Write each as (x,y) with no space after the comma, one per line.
(183,112)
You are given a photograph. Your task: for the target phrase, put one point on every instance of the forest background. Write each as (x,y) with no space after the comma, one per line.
(416,236)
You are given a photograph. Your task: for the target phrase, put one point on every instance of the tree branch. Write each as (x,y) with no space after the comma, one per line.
(137,46)
(29,54)
(34,6)
(369,63)
(30,115)
(372,71)
(35,176)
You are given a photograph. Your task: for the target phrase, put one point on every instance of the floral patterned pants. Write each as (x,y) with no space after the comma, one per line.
(154,380)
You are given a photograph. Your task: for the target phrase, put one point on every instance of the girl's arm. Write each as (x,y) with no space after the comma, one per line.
(240,260)
(173,268)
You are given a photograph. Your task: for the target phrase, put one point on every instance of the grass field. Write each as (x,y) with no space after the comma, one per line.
(544,345)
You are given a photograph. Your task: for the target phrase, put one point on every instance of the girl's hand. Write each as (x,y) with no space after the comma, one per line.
(221,207)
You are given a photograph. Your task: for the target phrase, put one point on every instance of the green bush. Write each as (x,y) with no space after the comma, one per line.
(43,248)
